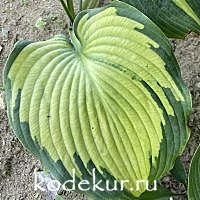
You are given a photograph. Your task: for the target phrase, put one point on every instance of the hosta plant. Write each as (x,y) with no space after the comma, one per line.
(108,97)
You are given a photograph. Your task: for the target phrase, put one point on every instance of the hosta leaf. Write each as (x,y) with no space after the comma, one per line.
(175,17)
(179,172)
(111,98)
(58,197)
(160,194)
(194,177)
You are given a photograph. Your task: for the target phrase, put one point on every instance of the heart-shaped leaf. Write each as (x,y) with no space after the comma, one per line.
(111,99)
(175,17)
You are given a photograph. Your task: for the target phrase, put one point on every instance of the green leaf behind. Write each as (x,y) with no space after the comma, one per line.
(175,17)
(160,194)
(179,172)
(194,177)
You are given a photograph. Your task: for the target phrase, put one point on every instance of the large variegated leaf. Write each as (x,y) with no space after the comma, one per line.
(175,17)
(110,98)
(194,177)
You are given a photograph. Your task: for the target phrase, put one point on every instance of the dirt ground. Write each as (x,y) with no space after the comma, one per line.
(39,20)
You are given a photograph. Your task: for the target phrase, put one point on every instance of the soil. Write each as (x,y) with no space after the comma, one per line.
(39,20)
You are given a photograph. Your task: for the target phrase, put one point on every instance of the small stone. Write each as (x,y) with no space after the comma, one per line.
(197,85)
(4,34)
(2,104)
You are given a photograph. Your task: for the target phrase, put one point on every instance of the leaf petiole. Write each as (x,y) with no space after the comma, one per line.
(68,10)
